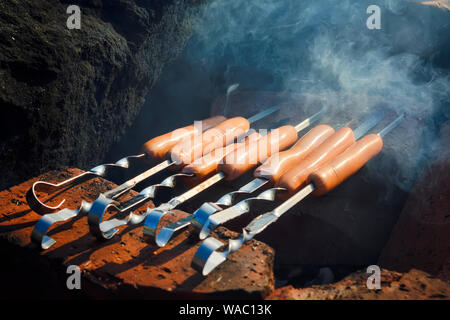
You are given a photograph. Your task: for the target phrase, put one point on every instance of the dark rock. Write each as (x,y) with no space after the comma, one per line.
(67,95)
(421,237)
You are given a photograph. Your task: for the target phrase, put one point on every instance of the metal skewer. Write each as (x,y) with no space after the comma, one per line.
(210,215)
(100,171)
(212,221)
(107,229)
(104,170)
(107,199)
(209,255)
(39,233)
(49,188)
(153,220)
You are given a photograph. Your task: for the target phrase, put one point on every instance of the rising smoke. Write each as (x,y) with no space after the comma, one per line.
(324,48)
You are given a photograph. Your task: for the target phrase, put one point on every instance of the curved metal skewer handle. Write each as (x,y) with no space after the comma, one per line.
(108,228)
(208,256)
(103,202)
(154,217)
(39,233)
(47,187)
(155,148)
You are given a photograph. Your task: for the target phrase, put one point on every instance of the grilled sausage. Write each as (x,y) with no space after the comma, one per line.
(158,147)
(332,174)
(297,177)
(248,156)
(188,150)
(274,167)
(206,166)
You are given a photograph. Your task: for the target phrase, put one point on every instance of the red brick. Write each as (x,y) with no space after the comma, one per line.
(125,266)
(412,285)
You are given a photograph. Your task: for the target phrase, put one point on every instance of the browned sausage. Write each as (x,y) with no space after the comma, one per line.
(296,177)
(208,165)
(332,174)
(246,157)
(158,147)
(188,150)
(274,167)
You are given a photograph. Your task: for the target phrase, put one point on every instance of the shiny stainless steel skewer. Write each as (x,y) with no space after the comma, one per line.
(209,208)
(47,187)
(209,255)
(210,215)
(107,199)
(107,229)
(210,222)
(103,170)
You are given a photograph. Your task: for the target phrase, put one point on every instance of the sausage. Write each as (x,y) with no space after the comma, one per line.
(158,147)
(274,167)
(297,176)
(248,156)
(332,174)
(212,122)
(206,166)
(193,148)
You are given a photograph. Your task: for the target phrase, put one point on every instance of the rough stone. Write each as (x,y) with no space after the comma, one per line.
(126,266)
(67,95)
(413,285)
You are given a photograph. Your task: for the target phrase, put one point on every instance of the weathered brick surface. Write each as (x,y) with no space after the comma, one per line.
(412,285)
(126,266)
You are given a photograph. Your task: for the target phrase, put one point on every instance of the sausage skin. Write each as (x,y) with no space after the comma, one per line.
(248,156)
(208,165)
(188,150)
(274,167)
(297,177)
(346,164)
(158,147)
